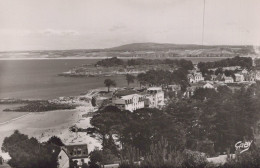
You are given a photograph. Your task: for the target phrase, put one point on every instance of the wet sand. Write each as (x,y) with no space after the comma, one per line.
(36,124)
(7,116)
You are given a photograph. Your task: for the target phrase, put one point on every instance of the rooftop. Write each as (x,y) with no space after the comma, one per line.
(154,88)
(126,92)
(127,97)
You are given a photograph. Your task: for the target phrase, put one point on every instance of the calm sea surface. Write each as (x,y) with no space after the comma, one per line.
(37,79)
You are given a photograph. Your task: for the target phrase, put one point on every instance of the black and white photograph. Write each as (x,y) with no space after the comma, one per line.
(129,84)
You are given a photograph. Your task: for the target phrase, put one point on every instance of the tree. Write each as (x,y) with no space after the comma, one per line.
(85,165)
(110,62)
(219,71)
(106,123)
(130,79)
(141,79)
(93,102)
(109,83)
(207,126)
(207,77)
(95,158)
(102,157)
(204,93)
(56,141)
(1,160)
(74,164)
(29,153)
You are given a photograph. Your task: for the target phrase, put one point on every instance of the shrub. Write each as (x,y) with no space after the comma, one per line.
(194,159)
(249,159)
(1,160)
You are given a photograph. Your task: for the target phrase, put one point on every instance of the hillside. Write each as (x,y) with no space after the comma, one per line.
(151,50)
(168,46)
(153,46)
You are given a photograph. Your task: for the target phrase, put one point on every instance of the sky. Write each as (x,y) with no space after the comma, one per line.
(90,24)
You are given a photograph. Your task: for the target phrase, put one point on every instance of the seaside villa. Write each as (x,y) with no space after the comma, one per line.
(129,102)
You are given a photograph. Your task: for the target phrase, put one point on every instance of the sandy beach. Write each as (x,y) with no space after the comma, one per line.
(7,116)
(46,124)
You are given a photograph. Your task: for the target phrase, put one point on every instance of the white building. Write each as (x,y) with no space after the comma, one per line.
(155,97)
(63,159)
(228,80)
(257,76)
(129,102)
(244,71)
(196,77)
(208,86)
(239,77)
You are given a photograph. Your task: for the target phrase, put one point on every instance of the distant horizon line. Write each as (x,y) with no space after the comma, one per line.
(208,45)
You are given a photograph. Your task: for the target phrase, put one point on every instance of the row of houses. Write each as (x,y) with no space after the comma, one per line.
(240,76)
(191,89)
(213,85)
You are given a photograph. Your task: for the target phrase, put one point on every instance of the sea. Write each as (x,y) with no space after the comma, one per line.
(38,79)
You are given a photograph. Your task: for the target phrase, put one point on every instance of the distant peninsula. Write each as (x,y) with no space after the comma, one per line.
(138,50)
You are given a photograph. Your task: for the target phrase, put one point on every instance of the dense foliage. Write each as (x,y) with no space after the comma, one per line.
(110,62)
(181,63)
(164,78)
(56,141)
(244,62)
(101,157)
(130,79)
(190,159)
(210,122)
(108,83)
(257,63)
(29,153)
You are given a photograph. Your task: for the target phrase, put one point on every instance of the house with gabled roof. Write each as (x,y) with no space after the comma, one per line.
(244,71)
(239,77)
(195,77)
(72,153)
(220,77)
(208,86)
(228,79)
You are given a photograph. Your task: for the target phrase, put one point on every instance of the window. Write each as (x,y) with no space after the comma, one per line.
(74,151)
(60,157)
(79,152)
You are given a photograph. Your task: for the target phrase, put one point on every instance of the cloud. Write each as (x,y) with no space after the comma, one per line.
(117,27)
(15,32)
(53,32)
(46,32)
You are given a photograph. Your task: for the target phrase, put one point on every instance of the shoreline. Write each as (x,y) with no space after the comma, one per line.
(44,125)
(69,58)
(14,119)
